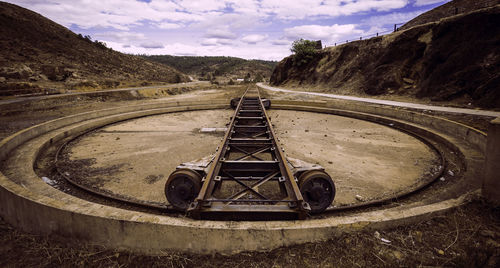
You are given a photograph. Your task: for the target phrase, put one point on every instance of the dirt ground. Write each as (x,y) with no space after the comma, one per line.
(367,161)
(465,237)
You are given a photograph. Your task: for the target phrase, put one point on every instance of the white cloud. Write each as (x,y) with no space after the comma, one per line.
(215,27)
(419,3)
(152,44)
(202,5)
(124,14)
(281,42)
(209,42)
(221,33)
(120,36)
(301,9)
(327,34)
(168,25)
(215,42)
(253,38)
(265,52)
(392,18)
(118,14)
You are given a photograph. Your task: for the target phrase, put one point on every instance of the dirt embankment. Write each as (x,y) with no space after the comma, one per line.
(457,57)
(38,53)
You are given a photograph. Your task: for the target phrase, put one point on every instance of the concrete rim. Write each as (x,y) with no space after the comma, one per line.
(65,215)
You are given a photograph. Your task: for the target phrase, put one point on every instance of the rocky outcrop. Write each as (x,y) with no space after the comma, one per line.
(455,57)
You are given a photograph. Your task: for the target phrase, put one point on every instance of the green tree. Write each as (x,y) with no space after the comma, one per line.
(304,51)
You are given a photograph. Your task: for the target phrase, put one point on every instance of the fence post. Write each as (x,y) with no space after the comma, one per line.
(394,27)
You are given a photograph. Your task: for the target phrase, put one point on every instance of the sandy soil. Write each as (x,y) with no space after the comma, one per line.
(147,150)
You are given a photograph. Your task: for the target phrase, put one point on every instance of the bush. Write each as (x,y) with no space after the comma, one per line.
(304,51)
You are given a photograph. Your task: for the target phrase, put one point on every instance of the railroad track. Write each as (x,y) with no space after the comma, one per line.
(249,177)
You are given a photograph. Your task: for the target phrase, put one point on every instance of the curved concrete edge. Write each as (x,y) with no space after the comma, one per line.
(117,228)
(151,234)
(456,129)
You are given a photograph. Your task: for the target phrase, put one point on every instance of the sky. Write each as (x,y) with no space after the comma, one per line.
(250,29)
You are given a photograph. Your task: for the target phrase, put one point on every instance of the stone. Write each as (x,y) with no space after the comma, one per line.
(408,81)
(360,198)
(18,72)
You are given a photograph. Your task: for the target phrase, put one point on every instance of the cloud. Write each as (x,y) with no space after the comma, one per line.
(419,3)
(392,18)
(168,25)
(281,42)
(209,42)
(215,27)
(302,9)
(120,36)
(202,5)
(246,51)
(327,34)
(117,14)
(237,14)
(220,34)
(152,44)
(253,38)
(215,42)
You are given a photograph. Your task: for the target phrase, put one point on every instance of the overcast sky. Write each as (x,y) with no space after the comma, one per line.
(251,29)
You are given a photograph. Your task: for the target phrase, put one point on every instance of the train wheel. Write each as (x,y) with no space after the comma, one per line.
(182,187)
(317,189)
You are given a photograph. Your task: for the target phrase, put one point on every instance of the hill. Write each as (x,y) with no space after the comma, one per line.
(38,53)
(449,9)
(454,58)
(204,68)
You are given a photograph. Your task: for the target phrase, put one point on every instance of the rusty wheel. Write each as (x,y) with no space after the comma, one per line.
(182,187)
(317,189)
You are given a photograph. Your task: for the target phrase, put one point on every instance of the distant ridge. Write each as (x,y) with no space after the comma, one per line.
(206,66)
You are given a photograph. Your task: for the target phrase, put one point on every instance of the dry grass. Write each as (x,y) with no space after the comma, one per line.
(465,237)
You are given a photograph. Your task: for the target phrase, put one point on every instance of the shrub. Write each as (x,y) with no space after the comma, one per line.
(304,51)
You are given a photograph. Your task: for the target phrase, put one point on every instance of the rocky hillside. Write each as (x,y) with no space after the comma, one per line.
(38,53)
(457,57)
(205,68)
